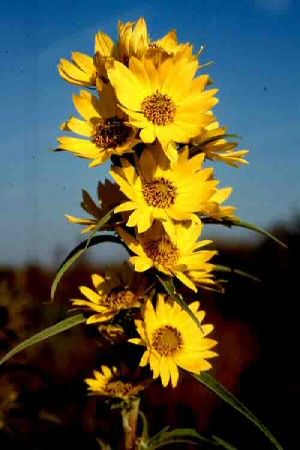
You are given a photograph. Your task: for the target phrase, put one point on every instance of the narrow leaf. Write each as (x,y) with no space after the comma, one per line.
(73,256)
(172,441)
(179,435)
(242,224)
(168,285)
(211,383)
(221,443)
(64,325)
(219,268)
(76,253)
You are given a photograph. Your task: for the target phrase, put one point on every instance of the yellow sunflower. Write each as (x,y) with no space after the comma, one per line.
(104,125)
(175,252)
(158,189)
(165,102)
(81,71)
(85,70)
(113,291)
(172,339)
(109,383)
(133,39)
(109,196)
(216,147)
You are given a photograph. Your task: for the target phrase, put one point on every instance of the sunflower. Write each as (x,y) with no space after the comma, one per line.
(133,39)
(214,145)
(81,71)
(109,196)
(173,250)
(109,383)
(104,124)
(85,70)
(165,102)
(172,339)
(113,292)
(158,189)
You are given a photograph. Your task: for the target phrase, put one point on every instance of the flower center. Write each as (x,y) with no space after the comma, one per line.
(119,299)
(160,193)
(159,109)
(111,133)
(162,251)
(118,389)
(167,340)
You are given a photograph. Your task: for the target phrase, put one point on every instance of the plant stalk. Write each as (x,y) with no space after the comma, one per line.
(130,420)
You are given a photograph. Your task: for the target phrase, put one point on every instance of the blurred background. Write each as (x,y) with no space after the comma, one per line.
(255,45)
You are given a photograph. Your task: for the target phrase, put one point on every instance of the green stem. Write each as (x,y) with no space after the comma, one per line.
(130,420)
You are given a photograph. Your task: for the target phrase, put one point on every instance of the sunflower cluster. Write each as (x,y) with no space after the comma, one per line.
(151,115)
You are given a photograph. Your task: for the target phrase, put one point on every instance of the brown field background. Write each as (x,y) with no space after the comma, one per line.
(43,399)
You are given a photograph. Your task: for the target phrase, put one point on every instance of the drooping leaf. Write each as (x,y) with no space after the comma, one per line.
(231,270)
(211,383)
(169,287)
(77,252)
(242,224)
(73,256)
(221,443)
(59,327)
(177,436)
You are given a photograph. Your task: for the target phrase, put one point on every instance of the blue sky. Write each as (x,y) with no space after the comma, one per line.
(255,45)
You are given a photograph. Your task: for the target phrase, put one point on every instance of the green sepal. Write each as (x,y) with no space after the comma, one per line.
(64,325)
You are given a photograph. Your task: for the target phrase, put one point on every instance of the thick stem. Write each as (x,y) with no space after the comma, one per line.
(130,420)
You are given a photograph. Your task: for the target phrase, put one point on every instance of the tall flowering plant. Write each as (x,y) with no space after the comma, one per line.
(147,107)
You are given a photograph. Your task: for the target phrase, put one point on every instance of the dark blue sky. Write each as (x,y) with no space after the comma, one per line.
(255,45)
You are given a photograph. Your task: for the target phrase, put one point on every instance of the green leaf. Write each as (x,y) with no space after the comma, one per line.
(211,383)
(168,285)
(76,253)
(64,325)
(242,224)
(219,268)
(221,443)
(179,435)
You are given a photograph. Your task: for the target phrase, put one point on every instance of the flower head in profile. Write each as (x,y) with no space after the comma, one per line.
(213,143)
(109,383)
(160,190)
(109,196)
(105,127)
(81,71)
(173,250)
(172,339)
(112,292)
(164,102)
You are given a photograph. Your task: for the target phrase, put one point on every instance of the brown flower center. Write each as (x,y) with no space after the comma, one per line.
(111,133)
(162,251)
(160,193)
(118,389)
(167,340)
(159,109)
(119,299)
